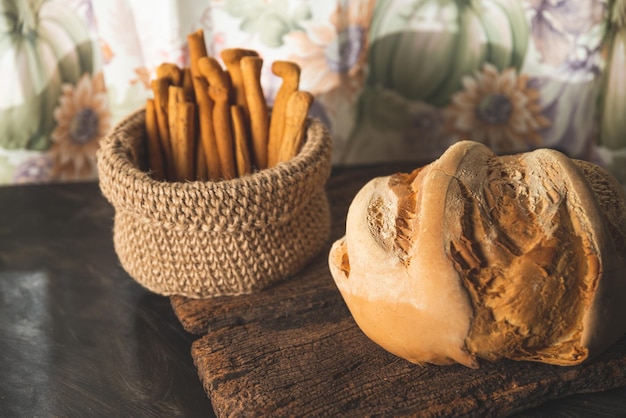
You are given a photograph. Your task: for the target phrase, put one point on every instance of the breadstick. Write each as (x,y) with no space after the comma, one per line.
(242,152)
(290,73)
(160,88)
(219,92)
(201,167)
(155,155)
(229,86)
(257,108)
(207,130)
(213,72)
(172,110)
(187,84)
(296,112)
(197,50)
(170,72)
(184,139)
(175,96)
(232,59)
(223,134)
(190,96)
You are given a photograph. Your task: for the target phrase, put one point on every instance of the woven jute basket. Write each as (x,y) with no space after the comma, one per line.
(203,239)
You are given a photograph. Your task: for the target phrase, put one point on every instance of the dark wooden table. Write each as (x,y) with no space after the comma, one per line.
(78,337)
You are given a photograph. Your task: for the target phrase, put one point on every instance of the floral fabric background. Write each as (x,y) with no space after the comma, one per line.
(393,79)
(53,103)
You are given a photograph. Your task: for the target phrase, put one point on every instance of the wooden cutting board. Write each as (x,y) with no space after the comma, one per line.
(294,349)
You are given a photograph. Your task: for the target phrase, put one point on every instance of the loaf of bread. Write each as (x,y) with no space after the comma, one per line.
(484,256)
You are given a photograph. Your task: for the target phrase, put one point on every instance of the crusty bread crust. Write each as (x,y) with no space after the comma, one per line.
(479,255)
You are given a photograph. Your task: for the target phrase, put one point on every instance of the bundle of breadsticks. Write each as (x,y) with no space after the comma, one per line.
(207,122)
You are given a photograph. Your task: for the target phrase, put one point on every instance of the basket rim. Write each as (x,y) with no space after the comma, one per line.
(129,188)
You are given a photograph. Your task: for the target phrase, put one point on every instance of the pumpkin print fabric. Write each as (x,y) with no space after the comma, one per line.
(613,95)
(49,63)
(393,79)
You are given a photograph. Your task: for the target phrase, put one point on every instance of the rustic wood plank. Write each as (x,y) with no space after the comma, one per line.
(293,300)
(329,368)
(294,349)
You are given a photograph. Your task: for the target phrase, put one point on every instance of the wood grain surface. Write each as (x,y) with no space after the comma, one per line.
(79,337)
(294,349)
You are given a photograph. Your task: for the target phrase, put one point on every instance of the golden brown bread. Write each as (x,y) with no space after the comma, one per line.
(485,256)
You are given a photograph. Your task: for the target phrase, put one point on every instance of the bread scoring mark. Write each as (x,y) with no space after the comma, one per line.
(523,263)
(345,260)
(391,222)
(379,222)
(606,191)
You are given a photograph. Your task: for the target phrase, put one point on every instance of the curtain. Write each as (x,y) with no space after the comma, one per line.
(393,79)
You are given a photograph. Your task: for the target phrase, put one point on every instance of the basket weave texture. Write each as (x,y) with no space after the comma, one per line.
(203,239)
